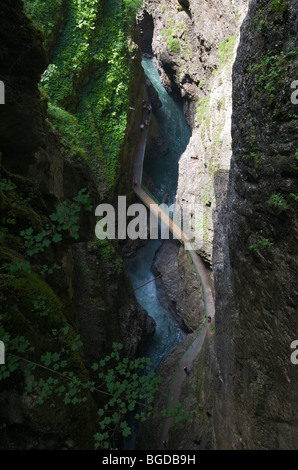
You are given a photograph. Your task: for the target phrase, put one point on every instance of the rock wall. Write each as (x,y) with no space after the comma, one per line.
(178,289)
(243,388)
(90,293)
(255,254)
(195,44)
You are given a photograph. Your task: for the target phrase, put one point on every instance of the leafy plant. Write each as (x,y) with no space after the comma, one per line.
(40,306)
(65,218)
(277,201)
(294,196)
(226,49)
(131,7)
(126,385)
(7,185)
(173,44)
(261,243)
(257,158)
(279,5)
(109,254)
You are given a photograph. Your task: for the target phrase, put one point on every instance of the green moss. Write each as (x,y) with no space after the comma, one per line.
(279,5)
(31,288)
(226,49)
(109,254)
(203,110)
(67,125)
(173,44)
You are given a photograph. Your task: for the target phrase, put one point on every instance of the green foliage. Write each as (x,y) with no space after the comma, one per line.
(18,345)
(102,111)
(109,254)
(173,43)
(36,243)
(94,44)
(260,244)
(46,16)
(7,185)
(131,7)
(294,196)
(264,242)
(203,109)
(271,75)
(226,49)
(277,201)
(15,269)
(40,306)
(279,5)
(131,386)
(67,125)
(126,385)
(72,54)
(257,158)
(65,218)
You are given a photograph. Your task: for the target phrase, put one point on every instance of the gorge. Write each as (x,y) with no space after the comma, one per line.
(69,131)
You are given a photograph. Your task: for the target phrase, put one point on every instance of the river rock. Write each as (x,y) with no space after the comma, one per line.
(182,299)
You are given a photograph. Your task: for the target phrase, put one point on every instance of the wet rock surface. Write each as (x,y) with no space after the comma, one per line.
(256,245)
(182,299)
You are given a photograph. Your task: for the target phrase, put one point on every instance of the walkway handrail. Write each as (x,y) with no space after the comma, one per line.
(146,203)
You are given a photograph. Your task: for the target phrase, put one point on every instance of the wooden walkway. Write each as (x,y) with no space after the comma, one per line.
(194,350)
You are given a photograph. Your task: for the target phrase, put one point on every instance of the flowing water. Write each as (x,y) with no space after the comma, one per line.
(164,174)
(173,127)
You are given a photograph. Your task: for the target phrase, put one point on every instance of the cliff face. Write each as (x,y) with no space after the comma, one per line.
(72,285)
(242,390)
(195,45)
(255,256)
